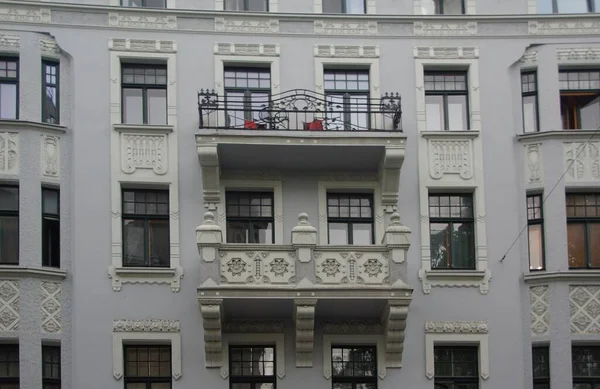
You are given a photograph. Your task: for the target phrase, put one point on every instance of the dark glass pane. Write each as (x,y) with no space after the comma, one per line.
(576,244)
(9,239)
(8,101)
(158,241)
(332,6)
(440,245)
(133,242)
(9,198)
(257,5)
(50,201)
(51,242)
(355,6)
(155,3)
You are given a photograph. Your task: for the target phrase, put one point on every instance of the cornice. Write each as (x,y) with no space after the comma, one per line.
(146,325)
(7,125)
(7,271)
(571,275)
(559,134)
(450,134)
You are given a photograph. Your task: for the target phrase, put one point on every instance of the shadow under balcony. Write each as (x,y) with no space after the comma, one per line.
(304,282)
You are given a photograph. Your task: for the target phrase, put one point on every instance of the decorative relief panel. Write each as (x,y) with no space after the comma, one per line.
(450,157)
(573,27)
(345,28)
(445,29)
(49,46)
(9,306)
(331,51)
(456,327)
(246,25)
(9,152)
(252,326)
(566,54)
(533,163)
(26,15)
(149,21)
(258,267)
(351,267)
(142,45)
(251,49)
(446,52)
(144,152)
(540,312)
(146,325)
(9,42)
(582,161)
(585,309)
(530,57)
(50,306)
(50,155)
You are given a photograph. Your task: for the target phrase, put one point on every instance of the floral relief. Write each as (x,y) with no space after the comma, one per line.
(373,267)
(236,266)
(279,266)
(585,309)
(331,267)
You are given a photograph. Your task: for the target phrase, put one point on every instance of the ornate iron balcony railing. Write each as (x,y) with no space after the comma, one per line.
(299,109)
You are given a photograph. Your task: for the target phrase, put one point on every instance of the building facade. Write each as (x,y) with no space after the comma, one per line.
(263,194)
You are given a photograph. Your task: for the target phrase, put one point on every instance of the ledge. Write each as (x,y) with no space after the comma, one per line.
(144,128)
(143,271)
(558,134)
(145,275)
(37,272)
(25,125)
(571,275)
(455,279)
(450,134)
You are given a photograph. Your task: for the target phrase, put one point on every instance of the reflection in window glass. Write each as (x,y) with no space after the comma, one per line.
(572,6)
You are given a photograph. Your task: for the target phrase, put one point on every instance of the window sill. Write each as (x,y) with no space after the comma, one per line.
(36,272)
(145,275)
(455,279)
(25,124)
(557,134)
(450,134)
(570,275)
(145,128)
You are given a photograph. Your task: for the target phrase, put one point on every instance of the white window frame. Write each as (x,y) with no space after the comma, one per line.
(371,187)
(480,340)
(147,178)
(254,185)
(377,341)
(470,7)
(170,4)
(221,61)
(250,339)
(273,5)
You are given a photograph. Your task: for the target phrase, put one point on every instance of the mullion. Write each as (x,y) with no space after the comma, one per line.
(12,80)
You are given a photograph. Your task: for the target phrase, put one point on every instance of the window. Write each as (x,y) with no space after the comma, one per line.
(50,96)
(541,367)
(146,228)
(568,6)
(50,227)
(51,367)
(456,367)
(344,6)
(529,100)
(252,367)
(350,218)
(583,230)
(147,367)
(144,90)
(443,7)
(247,5)
(586,367)
(9,366)
(446,101)
(249,217)
(580,99)
(144,3)
(353,367)
(348,98)
(451,231)
(535,229)
(247,90)
(9,225)
(9,88)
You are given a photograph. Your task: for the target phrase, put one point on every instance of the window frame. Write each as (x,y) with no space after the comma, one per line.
(13,81)
(592,380)
(344,8)
(252,379)
(590,7)
(459,379)
(51,381)
(144,88)
(144,2)
(8,348)
(536,221)
(246,6)
(572,93)
(56,85)
(250,218)
(446,93)
(146,218)
(350,221)
(439,4)
(586,221)
(529,94)
(47,258)
(248,91)
(544,381)
(347,94)
(148,380)
(352,379)
(451,220)
(13,214)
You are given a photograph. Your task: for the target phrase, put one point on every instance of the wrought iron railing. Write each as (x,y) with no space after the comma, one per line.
(299,109)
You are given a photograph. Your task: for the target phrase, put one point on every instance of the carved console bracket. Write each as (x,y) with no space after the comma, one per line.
(397,239)
(390,176)
(209,162)
(211,312)
(304,315)
(209,237)
(394,324)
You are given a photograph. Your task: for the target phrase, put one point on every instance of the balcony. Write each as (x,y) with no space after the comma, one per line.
(305,283)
